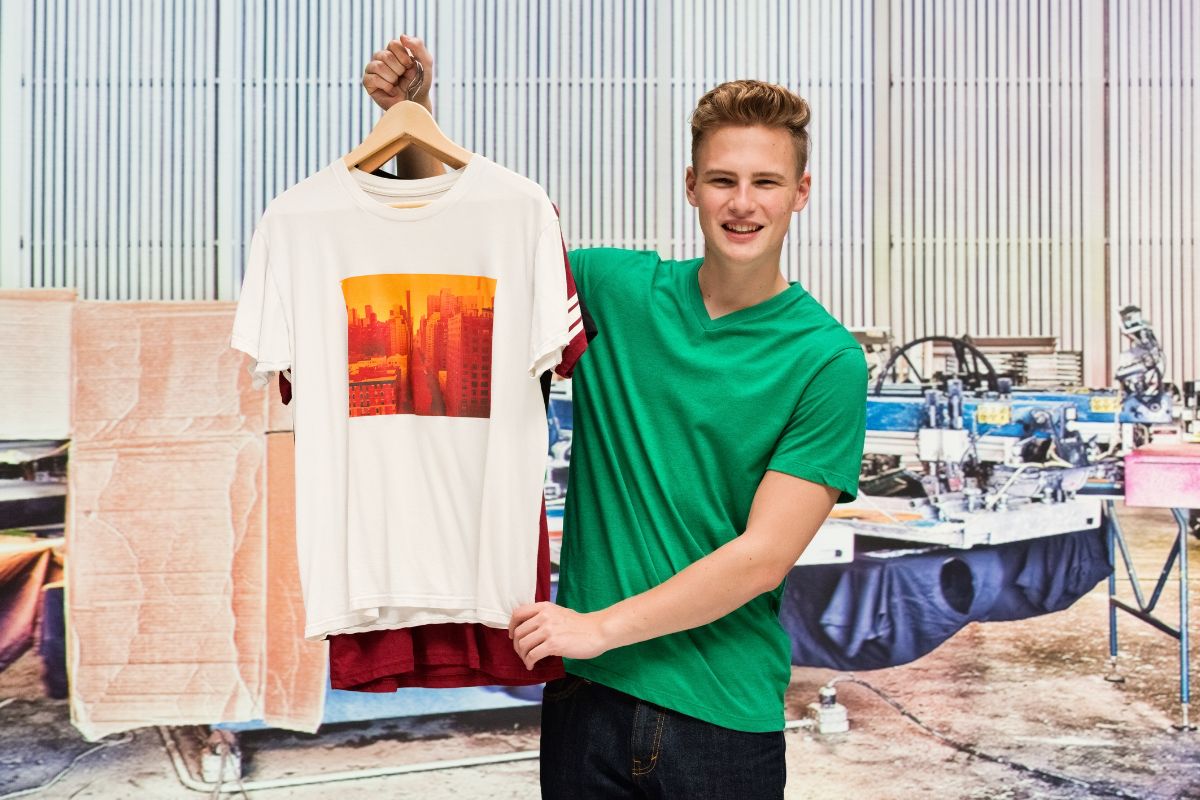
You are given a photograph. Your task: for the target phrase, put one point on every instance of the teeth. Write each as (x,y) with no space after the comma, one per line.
(743,228)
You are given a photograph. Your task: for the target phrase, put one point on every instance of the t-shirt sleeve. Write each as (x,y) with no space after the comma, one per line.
(581,261)
(579,334)
(577,260)
(555,318)
(599,270)
(260,327)
(823,440)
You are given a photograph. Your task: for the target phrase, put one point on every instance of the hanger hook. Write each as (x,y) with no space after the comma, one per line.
(415,86)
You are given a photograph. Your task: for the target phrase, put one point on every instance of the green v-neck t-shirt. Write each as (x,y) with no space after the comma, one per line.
(677,417)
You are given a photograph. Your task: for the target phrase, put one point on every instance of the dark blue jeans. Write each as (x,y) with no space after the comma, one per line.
(601,743)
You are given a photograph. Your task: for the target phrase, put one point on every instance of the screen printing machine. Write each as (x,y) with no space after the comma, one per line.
(987,493)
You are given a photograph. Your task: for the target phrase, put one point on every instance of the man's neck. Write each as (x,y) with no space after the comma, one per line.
(728,288)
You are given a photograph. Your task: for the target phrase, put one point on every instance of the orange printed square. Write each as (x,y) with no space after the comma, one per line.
(420,344)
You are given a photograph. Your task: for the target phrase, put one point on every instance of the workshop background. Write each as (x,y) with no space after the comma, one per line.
(1012,170)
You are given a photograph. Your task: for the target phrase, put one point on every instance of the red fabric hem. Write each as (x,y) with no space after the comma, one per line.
(401,676)
(571,354)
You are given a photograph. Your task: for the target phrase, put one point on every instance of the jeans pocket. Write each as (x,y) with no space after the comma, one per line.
(561,688)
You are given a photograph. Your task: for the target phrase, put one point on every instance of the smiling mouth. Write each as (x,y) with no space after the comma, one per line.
(741,231)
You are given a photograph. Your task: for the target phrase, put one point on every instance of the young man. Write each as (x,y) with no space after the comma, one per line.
(719,415)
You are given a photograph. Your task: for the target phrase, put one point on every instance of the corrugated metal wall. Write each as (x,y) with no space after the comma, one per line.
(1043,173)
(960,150)
(823,51)
(118,192)
(12,149)
(1154,172)
(986,211)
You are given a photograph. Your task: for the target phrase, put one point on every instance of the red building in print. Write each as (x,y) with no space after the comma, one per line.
(368,398)
(469,364)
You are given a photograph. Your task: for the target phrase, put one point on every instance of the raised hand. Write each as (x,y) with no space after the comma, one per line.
(391,71)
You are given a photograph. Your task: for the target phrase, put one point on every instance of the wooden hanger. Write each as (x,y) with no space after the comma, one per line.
(405,123)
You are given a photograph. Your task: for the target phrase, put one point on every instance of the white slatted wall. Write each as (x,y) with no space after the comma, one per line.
(145,158)
(118,193)
(12,142)
(1043,172)
(823,51)
(1154,170)
(986,207)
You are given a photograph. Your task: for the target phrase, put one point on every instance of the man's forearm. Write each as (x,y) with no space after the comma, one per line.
(786,514)
(706,590)
(412,162)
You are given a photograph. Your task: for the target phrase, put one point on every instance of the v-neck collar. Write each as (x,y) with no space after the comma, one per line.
(691,276)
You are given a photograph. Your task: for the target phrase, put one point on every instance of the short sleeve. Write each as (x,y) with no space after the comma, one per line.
(556,319)
(579,325)
(823,440)
(260,327)
(577,259)
(589,264)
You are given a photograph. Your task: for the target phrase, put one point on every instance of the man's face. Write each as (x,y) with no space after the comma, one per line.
(746,187)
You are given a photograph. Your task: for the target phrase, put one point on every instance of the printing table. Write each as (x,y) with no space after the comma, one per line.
(1158,476)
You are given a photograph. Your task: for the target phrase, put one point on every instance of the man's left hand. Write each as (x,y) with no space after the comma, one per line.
(545,629)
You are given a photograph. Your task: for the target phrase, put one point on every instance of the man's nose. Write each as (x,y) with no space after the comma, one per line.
(743,199)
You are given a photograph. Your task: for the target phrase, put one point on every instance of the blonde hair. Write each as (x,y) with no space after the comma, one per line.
(750,102)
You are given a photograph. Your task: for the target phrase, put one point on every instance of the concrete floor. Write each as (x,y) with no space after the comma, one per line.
(1031,692)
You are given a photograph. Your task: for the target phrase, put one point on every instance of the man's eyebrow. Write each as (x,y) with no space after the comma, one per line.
(714,172)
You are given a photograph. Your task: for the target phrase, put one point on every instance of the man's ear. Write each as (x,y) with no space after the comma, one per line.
(803,188)
(689,185)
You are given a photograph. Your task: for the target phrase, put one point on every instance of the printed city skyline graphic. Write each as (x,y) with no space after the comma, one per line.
(419,344)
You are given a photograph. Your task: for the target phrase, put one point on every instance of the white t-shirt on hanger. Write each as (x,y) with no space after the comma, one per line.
(415,338)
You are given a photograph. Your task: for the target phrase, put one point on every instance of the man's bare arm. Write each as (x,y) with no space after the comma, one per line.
(387,79)
(785,516)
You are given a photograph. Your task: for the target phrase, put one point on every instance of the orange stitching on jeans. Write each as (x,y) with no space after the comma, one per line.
(653,761)
(637,712)
(567,692)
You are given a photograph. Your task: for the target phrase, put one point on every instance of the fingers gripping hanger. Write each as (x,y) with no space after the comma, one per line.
(407,122)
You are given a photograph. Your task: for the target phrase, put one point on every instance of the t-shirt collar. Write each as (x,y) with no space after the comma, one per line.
(455,184)
(700,312)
